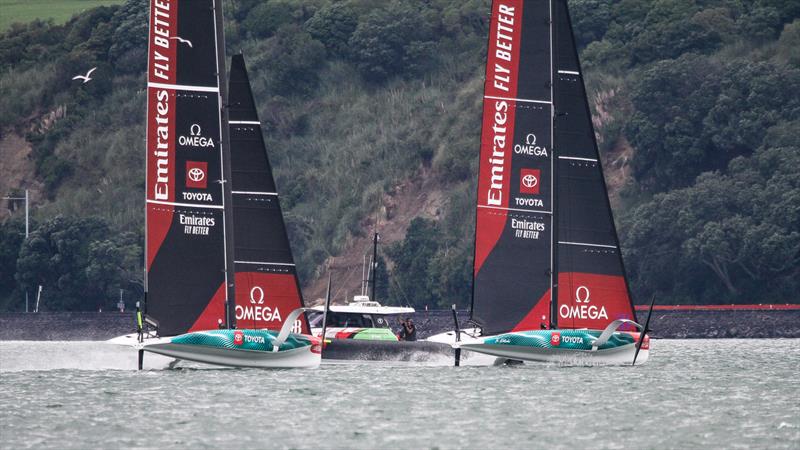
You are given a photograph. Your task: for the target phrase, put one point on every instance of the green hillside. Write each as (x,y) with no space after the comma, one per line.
(24,11)
(697,105)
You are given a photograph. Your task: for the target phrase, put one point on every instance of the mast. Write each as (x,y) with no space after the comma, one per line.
(225,148)
(554,190)
(374,263)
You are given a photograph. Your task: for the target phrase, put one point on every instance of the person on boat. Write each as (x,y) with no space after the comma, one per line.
(408,332)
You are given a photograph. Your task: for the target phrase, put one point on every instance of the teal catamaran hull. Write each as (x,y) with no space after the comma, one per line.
(562,346)
(234,348)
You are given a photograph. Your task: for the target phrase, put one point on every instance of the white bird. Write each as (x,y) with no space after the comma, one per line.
(85,78)
(183,41)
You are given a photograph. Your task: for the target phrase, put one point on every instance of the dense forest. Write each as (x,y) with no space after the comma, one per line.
(696,104)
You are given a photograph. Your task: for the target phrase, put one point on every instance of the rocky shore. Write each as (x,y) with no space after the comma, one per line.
(93,326)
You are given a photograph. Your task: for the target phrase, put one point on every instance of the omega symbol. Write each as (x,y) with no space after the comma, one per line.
(194,130)
(582,298)
(257,295)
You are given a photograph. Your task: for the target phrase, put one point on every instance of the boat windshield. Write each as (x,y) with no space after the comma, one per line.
(353,320)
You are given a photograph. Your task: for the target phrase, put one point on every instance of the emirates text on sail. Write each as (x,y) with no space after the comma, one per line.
(502,78)
(160,69)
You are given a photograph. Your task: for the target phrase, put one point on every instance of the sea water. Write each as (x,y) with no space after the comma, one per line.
(691,394)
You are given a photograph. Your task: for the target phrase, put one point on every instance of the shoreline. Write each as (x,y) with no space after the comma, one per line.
(672,323)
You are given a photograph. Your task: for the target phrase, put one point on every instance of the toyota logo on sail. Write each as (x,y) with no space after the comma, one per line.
(196,174)
(529,181)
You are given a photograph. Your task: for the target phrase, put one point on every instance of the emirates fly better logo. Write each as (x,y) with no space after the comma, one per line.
(529,181)
(196,174)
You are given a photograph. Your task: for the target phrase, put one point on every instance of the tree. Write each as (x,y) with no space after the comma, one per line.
(732,236)
(12,234)
(394,40)
(299,55)
(265,19)
(333,25)
(413,280)
(73,260)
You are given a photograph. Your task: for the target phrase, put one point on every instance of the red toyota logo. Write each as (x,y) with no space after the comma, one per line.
(555,339)
(196,174)
(238,338)
(529,181)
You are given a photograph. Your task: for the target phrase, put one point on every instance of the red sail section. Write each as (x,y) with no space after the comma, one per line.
(213,313)
(497,132)
(263,300)
(267,289)
(161,63)
(185,211)
(592,301)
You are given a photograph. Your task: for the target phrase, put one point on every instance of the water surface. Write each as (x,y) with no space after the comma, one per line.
(704,393)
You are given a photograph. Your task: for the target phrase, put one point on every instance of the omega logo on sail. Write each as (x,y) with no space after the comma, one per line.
(530,148)
(195,139)
(582,309)
(259,313)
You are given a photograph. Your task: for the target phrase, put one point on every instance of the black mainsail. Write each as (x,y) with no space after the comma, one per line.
(267,287)
(186,260)
(539,161)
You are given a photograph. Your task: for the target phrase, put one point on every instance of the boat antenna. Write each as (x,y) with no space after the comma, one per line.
(140,332)
(644,330)
(325,311)
(375,239)
(458,336)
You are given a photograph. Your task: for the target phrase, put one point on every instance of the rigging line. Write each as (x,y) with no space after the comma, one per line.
(346,281)
(402,292)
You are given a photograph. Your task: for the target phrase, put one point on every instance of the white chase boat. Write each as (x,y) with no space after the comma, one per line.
(549,281)
(359,319)
(220,280)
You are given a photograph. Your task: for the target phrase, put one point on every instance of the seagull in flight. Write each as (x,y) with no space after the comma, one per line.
(183,41)
(86,78)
